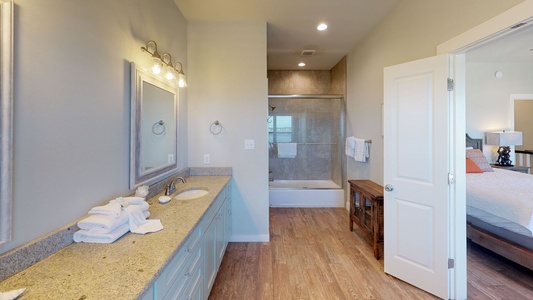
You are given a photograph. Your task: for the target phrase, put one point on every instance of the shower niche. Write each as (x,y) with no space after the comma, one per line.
(312,128)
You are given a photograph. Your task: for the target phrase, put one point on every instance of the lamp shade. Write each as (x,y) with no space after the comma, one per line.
(503,138)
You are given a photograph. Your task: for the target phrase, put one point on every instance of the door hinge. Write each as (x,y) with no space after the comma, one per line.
(451,263)
(450,85)
(451,178)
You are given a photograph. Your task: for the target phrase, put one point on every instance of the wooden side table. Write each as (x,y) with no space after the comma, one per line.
(366,210)
(516,168)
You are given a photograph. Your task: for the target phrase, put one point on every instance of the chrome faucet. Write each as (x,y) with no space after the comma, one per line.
(171,188)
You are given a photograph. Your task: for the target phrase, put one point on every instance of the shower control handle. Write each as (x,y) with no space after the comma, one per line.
(389,188)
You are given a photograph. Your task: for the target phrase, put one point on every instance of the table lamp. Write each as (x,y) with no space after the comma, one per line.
(504,139)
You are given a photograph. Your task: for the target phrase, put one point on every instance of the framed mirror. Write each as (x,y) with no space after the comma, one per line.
(6,121)
(154,128)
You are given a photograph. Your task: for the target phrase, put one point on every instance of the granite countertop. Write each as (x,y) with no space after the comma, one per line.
(125,269)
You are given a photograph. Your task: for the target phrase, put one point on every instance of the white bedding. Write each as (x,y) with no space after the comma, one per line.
(506,194)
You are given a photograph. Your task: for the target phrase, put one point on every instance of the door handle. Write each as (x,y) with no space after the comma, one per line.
(389,188)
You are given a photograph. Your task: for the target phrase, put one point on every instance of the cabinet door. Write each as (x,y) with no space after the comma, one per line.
(220,242)
(210,256)
(366,212)
(228,222)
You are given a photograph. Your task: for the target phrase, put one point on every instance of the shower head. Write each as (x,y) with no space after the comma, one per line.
(271,107)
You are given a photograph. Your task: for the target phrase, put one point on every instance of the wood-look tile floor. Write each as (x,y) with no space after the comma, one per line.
(313,255)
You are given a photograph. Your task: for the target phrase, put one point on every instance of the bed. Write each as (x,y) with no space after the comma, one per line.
(500,210)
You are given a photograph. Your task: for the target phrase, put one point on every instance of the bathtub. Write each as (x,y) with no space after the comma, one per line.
(305,193)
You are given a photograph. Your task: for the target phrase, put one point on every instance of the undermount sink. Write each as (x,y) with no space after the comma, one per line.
(191,194)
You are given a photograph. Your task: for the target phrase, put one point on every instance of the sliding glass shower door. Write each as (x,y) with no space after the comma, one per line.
(306,138)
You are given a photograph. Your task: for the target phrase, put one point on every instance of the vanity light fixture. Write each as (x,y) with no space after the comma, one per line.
(160,63)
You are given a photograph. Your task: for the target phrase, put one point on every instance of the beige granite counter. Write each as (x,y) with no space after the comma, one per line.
(125,269)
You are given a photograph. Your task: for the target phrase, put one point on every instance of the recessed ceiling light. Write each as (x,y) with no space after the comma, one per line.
(322,27)
(301,64)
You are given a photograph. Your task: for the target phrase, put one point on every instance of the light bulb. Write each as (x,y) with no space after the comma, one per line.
(181,80)
(156,69)
(170,73)
(322,27)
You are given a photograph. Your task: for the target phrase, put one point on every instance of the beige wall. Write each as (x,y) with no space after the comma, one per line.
(72,103)
(227,82)
(523,110)
(412,31)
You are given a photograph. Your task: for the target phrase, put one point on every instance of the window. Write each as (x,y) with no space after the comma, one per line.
(280,129)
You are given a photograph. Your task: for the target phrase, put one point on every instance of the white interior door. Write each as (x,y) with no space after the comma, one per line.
(416,141)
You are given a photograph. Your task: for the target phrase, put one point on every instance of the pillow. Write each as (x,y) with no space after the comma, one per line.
(471,167)
(479,159)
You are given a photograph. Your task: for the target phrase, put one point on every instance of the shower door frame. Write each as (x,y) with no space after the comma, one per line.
(342,122)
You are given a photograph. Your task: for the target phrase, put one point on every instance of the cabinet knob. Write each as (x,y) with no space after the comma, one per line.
(389,188)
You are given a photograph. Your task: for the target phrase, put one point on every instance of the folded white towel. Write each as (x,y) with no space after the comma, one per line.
(87,236)
(125,201)
(113,208)
(287,150)
(138,223)
(361,150)
(99,223)
(11,294)
(349,146)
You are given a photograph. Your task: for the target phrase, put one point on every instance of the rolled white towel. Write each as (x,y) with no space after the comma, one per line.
(99,223)
(113,209)
(87,236)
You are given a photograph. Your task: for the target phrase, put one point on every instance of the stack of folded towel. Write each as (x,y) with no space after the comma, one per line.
(109,222)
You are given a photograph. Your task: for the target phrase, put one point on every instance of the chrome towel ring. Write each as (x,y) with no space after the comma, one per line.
(158,128)
(215,128)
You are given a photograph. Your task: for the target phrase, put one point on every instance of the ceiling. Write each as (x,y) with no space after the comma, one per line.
(516,47)
(291,26)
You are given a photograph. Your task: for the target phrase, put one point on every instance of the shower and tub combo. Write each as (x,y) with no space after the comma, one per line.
(306,147)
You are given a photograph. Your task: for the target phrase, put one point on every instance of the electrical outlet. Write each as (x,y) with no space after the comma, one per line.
(171,158)
(207,159)
(249,144)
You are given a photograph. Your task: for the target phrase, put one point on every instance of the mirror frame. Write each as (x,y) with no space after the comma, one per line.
(137,177)
(6,125)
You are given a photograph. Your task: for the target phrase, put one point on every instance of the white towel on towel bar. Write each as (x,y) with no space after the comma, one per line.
(361,150)
(349,146)
(287,150)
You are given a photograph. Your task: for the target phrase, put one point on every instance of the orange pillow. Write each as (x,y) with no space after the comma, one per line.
(471,167)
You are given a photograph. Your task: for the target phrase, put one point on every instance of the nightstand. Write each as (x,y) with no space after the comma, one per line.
(516,168)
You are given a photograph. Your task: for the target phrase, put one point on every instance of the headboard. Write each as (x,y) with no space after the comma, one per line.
(474,143)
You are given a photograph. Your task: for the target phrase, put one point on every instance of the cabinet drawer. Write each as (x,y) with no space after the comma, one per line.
(187,286)
(177,265)
(185,279)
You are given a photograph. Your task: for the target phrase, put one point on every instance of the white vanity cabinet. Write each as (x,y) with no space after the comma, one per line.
(216,238)
(192,272)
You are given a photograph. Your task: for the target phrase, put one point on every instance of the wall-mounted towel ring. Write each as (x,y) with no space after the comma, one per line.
(158,128)
(215,128)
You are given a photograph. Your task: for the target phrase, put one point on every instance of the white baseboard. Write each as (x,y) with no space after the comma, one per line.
(250,238)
